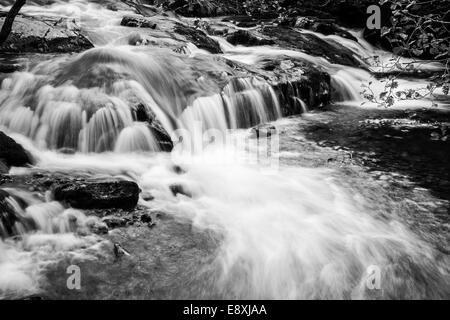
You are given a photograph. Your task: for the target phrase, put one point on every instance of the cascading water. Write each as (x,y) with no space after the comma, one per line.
(84,109)
(44,229)
(294,233)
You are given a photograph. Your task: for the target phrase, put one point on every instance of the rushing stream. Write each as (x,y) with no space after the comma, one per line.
(298,231)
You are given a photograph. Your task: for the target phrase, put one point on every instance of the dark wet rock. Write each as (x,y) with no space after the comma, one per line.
(138,22)
(143,114)
(162,137)
(198,37)
(13,154)
(243,21)
(4,178)
(243,37)
(9,68)
(98,195)
(326,27)
(146,218)
(178,170)
(44,35)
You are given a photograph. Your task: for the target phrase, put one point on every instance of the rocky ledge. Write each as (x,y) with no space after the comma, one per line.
(98,195)
(44,35)
(158,27)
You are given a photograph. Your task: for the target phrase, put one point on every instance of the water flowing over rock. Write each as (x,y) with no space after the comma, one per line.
(44,35)
(98,195)
(12,153)
(326,27)
(311,44)
(127,136)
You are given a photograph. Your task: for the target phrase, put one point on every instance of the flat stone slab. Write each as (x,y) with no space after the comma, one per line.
(44,35)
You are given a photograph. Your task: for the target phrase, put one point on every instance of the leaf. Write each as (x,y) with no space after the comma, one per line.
(385,31)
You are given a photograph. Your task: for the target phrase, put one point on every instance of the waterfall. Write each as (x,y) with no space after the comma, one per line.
(289,233)
(62,112)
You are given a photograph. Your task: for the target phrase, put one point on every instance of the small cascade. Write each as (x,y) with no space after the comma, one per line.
(244,102)
(34,234)
(137,137)
(106,107)
(21,213)
(250,102)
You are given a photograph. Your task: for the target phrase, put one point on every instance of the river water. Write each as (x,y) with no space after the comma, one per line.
(280,226)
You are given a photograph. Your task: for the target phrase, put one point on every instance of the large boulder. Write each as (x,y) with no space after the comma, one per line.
(44,35)
(12,154)
(138,22)
(98,195)
(198,37)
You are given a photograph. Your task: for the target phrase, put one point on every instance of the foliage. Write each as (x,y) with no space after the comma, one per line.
(418,29)
(262,8)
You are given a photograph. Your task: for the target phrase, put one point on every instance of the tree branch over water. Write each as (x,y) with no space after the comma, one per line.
(9,20)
